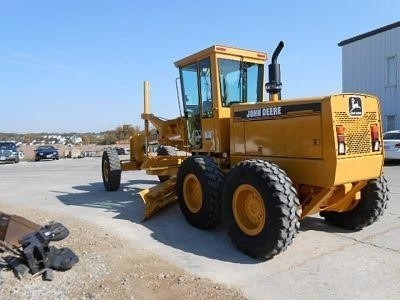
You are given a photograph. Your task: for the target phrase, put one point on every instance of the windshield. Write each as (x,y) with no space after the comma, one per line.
(7,145)
(391,136)
(41,148)
(240,81)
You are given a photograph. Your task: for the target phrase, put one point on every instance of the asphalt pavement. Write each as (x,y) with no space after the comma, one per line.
(323,261)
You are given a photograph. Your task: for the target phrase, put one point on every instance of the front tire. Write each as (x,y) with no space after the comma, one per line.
(198,186)
(373,202)
(261,208)
(111,170)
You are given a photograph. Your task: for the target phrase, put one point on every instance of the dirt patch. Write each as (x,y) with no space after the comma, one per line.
(110,267)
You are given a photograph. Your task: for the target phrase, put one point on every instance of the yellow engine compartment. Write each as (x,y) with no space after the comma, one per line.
(300,136)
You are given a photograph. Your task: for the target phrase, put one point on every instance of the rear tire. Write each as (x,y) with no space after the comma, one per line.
(373,202)
(198,186)
(111,170)
(261,208)
(168,151)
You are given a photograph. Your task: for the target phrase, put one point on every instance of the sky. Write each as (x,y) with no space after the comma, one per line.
(79,66)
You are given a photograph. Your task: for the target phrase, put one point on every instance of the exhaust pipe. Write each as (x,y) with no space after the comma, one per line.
(274,86)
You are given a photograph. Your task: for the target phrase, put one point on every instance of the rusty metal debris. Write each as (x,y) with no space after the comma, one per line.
(27,244)
(13,227)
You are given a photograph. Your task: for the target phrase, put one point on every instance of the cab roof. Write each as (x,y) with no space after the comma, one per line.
(220,49)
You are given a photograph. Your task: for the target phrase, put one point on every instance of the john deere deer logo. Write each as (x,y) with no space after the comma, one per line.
(355,107)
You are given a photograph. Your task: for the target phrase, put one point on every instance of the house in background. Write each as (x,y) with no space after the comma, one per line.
(370,64)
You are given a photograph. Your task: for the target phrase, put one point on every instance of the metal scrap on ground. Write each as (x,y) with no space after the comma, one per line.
(24,247)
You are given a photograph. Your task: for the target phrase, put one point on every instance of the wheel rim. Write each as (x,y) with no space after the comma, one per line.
(249,210)
(192,193)
(106,169)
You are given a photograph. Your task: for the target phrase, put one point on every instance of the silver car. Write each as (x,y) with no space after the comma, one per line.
(391,142)
(8,152)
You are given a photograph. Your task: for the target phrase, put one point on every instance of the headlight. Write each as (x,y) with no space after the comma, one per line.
(40,153)
(54,153)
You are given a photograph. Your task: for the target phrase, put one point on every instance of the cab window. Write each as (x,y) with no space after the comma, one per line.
(205,87)
(197,98)
(190,89)
(197,92)
(240,81)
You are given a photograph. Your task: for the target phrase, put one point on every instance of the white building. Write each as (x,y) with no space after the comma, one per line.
(370,64)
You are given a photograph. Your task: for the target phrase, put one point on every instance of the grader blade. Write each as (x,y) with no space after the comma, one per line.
(158,197)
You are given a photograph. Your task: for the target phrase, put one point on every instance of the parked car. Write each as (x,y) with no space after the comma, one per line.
(391,142)
(9,152)
(46,152)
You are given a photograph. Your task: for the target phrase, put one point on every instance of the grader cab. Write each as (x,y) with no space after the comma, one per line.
(257,164)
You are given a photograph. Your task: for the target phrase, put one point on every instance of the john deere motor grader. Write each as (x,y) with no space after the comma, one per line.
(259,165)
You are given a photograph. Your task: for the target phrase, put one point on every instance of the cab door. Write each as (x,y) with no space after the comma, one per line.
(197,99)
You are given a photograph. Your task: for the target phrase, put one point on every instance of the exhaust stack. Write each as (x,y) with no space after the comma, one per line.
(274,86)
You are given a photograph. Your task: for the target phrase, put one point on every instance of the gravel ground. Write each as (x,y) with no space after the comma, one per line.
(110,267)
(165,257)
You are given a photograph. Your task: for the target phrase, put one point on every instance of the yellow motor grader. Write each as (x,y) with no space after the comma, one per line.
(258,163)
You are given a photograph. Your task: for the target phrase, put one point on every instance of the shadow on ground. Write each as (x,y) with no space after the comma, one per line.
(319,224)
(125,202)
(169,226)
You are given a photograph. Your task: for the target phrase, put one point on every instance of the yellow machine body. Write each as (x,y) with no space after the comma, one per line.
(324,144)
(300,136)
(255,161)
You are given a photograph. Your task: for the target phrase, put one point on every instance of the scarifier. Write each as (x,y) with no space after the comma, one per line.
(259,165)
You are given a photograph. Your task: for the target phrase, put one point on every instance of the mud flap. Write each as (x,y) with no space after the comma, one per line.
(159,197)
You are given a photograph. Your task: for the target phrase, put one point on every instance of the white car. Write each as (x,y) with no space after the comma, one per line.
(391,143)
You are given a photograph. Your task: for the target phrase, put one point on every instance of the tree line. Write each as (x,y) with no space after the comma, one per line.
(121,133)
(109,137)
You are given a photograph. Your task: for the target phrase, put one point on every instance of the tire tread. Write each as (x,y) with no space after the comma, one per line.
(113,182)
(368,211)
(212,176)
(286,207)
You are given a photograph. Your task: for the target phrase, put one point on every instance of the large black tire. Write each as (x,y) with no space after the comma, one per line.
(111,170)
(169,151)
(198,186)
(373,202)
(261,208)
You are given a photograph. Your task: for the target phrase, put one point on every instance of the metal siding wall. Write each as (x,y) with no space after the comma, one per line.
(364,67)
